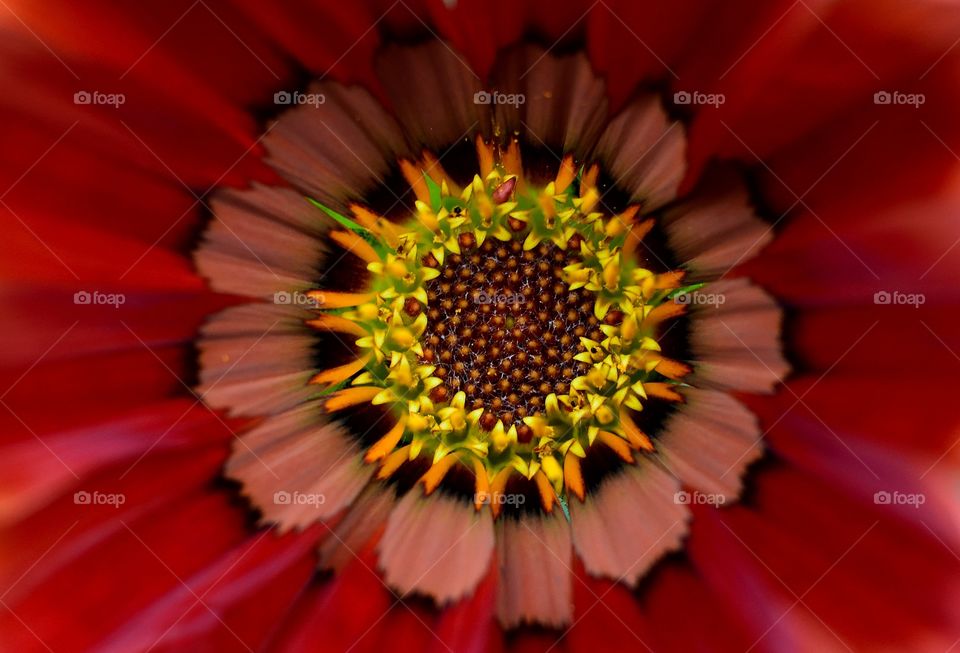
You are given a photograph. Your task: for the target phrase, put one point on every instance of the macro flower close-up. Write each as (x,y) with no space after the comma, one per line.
(465,326)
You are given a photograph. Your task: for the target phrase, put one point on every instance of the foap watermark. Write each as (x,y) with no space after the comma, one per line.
(97,298)
(296,97)
(696,298)
(296,298)
(297,498)
(897,298)
(496,97)
(99,98)
(895,498)
(899,98)
(84,498)
(508,298)
(685,498)
(486,498)
(699,99)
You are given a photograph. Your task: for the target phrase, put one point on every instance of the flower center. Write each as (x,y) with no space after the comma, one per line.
(504,327)
(508,328)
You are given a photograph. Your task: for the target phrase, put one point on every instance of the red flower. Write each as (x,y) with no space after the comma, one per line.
(126,130)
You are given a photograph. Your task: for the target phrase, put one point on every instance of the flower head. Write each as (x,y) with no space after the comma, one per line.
(464,326)
(507,353)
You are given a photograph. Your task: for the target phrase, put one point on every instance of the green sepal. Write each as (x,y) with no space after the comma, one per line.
(378,245)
